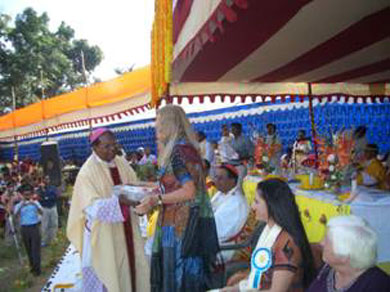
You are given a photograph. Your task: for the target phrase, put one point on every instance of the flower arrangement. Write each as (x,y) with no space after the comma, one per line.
(334,156)
(259,151)
(263,154)
(334,176)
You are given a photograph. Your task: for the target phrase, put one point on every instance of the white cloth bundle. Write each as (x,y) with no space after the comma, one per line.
(134,193)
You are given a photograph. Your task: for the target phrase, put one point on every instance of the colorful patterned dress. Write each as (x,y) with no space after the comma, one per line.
(186,242)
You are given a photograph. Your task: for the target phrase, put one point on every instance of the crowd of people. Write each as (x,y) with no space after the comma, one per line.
(265,152)
(30,205)
(199,205)
(193,224)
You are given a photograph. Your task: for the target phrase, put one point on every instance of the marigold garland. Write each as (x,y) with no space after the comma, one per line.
(162,49)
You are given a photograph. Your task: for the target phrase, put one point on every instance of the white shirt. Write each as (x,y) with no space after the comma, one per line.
(230,212)
(148,159)
(226,150)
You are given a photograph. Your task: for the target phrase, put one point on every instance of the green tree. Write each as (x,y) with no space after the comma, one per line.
(35,61)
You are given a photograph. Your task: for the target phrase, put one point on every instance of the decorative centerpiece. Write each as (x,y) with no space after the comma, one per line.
(334,157)
(263,154)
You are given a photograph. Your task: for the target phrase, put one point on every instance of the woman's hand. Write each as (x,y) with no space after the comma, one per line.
(146,204)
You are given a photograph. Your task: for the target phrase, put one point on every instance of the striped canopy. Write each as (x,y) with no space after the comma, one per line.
(310,41)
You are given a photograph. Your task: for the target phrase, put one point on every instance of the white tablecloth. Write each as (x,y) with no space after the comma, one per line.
(371,204)
(67,271)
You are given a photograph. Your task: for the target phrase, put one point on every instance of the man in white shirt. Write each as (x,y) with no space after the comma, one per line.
(205,148)
(229,205)
(147,157)
(225,149)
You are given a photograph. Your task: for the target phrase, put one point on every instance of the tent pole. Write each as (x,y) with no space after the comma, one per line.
(13,122)
(313,126)
(46,130)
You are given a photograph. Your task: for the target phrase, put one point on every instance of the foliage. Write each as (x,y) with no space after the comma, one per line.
(147,172)
(35,61)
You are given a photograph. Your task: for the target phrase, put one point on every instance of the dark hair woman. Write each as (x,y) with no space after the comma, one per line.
(282,260)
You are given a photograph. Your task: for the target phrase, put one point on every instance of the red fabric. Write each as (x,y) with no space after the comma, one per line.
(356,37)
(229,13)
(128,229)
(370,69)
(243,4)
(213,60)
(180,14)
(210,64)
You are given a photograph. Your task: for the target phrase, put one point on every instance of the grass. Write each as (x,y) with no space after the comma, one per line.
(14,277)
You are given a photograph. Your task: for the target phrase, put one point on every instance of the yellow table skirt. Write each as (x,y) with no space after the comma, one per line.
(314,213)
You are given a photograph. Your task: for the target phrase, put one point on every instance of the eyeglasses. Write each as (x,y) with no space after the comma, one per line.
(219,177)
(108,146)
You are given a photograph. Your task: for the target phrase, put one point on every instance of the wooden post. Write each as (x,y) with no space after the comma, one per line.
(46,130)
(13,121)
(312,120)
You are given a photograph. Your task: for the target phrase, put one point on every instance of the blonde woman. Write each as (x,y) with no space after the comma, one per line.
(186,241)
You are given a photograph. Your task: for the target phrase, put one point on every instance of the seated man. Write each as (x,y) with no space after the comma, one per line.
(229,205)
(372,173)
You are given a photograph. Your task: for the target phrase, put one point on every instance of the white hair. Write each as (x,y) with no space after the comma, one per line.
(352,237)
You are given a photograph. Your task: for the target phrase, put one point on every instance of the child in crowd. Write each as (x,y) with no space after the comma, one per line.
(29,210)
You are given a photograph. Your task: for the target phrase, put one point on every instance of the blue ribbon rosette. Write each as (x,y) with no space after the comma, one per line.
(260,262)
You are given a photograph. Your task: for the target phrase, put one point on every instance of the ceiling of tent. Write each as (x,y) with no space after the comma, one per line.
(314,41)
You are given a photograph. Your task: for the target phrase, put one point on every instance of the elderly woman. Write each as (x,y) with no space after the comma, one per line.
(350,248)
(185,242)
(282,259)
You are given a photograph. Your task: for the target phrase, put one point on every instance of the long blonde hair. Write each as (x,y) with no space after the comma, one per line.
(176,126)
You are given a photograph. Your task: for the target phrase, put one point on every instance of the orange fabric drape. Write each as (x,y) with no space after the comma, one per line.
(124,87)
(6,122)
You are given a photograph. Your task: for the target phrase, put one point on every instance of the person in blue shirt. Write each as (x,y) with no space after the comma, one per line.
(49,195)
(29,210)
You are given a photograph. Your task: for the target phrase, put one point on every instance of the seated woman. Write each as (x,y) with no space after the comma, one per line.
(350,249)
(282,259)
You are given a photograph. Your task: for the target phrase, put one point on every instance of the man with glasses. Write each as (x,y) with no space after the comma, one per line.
(99,223)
